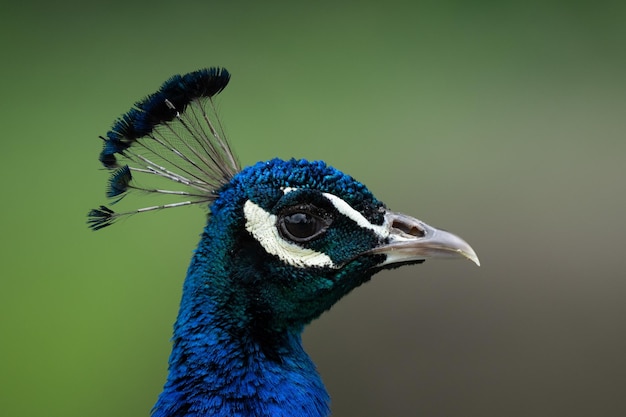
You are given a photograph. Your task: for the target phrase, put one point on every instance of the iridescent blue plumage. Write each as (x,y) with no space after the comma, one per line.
(285,240)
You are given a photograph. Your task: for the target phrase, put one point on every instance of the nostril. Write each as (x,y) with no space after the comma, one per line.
(409,229)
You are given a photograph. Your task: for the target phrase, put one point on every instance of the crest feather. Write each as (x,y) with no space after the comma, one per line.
(172,134)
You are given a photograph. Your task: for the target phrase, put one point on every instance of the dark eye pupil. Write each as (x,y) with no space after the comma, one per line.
(301,225)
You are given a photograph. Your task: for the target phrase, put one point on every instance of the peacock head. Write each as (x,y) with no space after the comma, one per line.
(292,237)
(304,234)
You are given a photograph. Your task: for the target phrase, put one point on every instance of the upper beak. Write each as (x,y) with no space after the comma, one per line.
(413,240)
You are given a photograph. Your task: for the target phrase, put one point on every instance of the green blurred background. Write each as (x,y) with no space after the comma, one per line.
(501,121)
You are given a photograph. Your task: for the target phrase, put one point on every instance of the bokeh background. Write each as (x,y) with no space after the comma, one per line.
(501,121)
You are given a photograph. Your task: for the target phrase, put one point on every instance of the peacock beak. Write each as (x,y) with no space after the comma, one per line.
(410,240)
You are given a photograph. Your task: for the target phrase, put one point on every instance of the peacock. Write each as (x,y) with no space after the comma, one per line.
(284,241)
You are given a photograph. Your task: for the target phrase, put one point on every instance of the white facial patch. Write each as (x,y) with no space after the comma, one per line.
(262,225)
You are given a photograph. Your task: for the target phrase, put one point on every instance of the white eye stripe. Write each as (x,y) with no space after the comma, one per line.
(262,226)
(347,210)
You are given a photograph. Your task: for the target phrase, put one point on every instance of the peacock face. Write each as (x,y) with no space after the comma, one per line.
(308,215)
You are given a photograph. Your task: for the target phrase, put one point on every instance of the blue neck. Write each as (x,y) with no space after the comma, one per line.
(221,363)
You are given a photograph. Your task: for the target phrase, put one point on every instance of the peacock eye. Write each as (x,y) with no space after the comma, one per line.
(302,223)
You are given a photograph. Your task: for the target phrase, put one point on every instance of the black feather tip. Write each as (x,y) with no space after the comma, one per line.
(100,218)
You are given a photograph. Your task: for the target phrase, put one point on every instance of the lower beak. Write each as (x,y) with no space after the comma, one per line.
(413,240)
